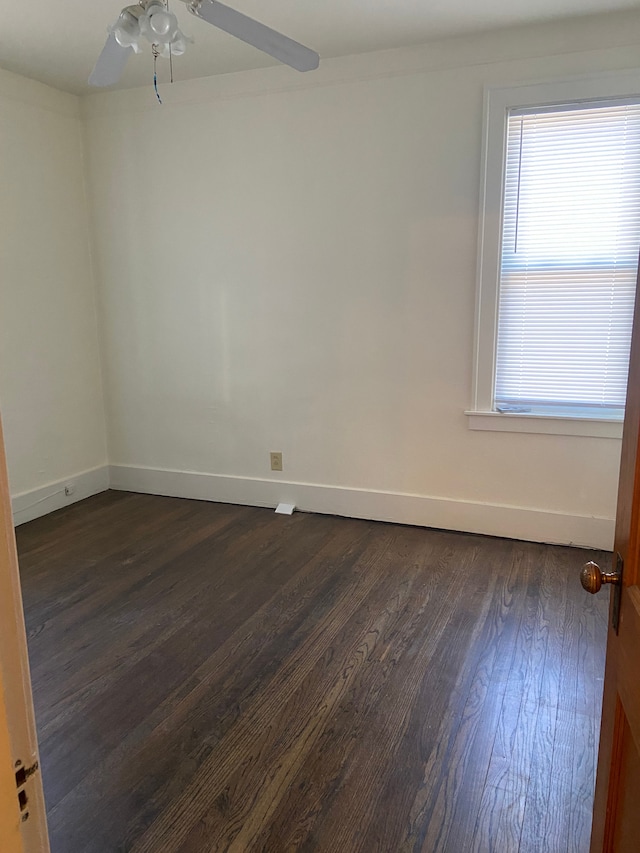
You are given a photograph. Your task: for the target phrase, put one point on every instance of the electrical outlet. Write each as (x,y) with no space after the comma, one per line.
(276,461)
(69,489)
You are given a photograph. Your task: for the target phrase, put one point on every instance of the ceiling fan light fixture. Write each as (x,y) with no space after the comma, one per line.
(152,20)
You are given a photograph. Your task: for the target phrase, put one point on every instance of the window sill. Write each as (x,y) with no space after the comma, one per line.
(545,424)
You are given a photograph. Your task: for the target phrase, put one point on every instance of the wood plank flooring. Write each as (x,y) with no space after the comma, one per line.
(218,678)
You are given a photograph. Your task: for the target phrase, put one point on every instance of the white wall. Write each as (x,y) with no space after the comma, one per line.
(288,263)
(50,384)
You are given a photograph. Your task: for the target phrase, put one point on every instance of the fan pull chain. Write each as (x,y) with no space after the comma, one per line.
(170,51)
(156,53)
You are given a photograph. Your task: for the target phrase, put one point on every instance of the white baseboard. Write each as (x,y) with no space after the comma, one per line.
(535,525)
(528,523)
(29,505)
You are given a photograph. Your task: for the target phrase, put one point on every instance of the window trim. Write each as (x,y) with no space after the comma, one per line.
(497,101)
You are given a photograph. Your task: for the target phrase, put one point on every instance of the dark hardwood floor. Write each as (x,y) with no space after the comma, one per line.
(218,678)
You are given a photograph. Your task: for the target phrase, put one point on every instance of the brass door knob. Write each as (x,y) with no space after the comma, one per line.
(592,577)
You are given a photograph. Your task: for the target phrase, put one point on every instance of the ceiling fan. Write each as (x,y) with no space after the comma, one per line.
(152,20)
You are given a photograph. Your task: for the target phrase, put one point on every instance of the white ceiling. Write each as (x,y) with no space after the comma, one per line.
(58,41)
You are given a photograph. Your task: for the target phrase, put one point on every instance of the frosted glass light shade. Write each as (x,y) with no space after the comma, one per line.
(126,30)
(163,23)
(158,25)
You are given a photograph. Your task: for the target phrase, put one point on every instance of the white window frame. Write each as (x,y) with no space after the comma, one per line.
(497,101)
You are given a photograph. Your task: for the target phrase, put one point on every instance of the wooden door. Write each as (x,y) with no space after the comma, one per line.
(23,827)
(616,814)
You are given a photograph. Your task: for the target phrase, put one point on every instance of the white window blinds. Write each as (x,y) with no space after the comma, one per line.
(570,240)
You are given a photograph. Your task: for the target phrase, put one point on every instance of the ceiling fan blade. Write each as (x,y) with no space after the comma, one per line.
(256,34)
(110,65)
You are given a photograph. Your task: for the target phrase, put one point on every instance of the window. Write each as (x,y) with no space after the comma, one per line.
(559,254)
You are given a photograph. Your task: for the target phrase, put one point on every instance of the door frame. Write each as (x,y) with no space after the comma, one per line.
(25,829)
